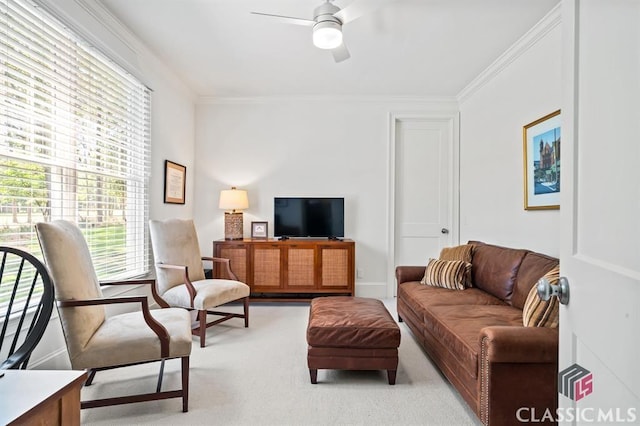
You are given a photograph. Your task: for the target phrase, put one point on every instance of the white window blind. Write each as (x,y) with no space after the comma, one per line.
(74,142)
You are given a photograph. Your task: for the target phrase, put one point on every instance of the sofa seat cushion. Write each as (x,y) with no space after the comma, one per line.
(458,328)
(420,295)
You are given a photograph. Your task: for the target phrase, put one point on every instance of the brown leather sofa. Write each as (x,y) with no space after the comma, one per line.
(477,338)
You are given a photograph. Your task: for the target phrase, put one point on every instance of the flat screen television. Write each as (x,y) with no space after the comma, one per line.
(300,217)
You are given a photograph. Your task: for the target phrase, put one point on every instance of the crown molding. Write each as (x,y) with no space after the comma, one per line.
(223,100)
(550,21)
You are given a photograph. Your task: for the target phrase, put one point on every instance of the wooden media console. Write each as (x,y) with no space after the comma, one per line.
(290,269)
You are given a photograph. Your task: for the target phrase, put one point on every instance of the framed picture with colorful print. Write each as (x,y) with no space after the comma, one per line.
(541,146)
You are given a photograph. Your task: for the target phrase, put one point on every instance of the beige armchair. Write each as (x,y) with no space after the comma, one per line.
(181,280)
(98,342)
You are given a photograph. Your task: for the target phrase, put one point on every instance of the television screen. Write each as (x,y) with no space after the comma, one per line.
(308,217)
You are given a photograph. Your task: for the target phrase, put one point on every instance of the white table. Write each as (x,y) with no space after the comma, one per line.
(40,396)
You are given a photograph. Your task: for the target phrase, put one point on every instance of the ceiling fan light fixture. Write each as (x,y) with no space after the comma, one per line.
(327,35)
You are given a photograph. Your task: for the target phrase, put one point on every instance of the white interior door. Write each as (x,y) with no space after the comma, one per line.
(600,213)
(423,189)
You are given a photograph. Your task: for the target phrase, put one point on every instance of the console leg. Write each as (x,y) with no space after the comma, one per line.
(314,375)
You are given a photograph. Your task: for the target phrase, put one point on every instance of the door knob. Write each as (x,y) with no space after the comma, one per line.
(444,230)
(546,290)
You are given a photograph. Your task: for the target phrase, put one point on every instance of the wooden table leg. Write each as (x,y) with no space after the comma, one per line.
(391,374)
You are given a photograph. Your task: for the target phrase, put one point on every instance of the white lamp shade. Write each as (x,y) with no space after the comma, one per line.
(327,35)
(233,199)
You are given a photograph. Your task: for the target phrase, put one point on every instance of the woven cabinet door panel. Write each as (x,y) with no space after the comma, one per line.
(237,261)
(335,267)
(301,267)
(267,271)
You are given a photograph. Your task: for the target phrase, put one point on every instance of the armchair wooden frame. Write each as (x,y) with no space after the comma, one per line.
(202,314)
(158,329)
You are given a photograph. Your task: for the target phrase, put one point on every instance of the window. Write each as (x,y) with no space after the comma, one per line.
(74,142)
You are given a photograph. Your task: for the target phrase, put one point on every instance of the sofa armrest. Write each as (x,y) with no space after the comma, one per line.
(518,368)
(509,344)
(409,273)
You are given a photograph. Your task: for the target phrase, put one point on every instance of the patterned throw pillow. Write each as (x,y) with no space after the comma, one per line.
(463,253)
(538,313)
(451,274)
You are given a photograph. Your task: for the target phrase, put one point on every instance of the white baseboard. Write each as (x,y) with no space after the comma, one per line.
(55,360)
(376,290)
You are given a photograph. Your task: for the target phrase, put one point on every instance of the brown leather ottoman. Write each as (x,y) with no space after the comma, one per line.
(351,333)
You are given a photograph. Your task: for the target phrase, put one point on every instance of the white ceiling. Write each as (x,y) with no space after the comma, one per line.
(405,48)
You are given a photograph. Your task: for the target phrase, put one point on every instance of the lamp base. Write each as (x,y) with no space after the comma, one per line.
(233,226)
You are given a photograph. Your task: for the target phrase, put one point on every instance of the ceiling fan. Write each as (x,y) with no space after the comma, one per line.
(327,23)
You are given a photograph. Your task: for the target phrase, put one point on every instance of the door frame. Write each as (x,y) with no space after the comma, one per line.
(453,117)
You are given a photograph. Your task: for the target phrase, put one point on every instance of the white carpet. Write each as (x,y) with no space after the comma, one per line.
(259,376)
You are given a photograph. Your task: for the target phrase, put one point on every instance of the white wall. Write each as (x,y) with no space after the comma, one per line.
(302,147)
(172,138)
(492,115)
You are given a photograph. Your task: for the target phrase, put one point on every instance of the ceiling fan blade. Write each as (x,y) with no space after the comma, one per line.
(288,19)
(357,8)
(340,53)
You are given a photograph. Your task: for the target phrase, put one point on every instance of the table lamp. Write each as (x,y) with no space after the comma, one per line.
(233,201)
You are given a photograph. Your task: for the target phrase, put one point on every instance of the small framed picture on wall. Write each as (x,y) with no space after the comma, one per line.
(259,229)
(175,180)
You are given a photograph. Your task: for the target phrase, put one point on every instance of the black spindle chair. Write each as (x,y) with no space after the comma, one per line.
(26,302)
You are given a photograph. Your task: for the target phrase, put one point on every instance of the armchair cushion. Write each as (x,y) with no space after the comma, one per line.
(210,293)
(126,339)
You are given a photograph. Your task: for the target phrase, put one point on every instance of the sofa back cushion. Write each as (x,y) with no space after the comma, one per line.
(495,269)
(533,267)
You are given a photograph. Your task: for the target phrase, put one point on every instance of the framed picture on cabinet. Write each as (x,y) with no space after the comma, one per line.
(541,146)
(259,229)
